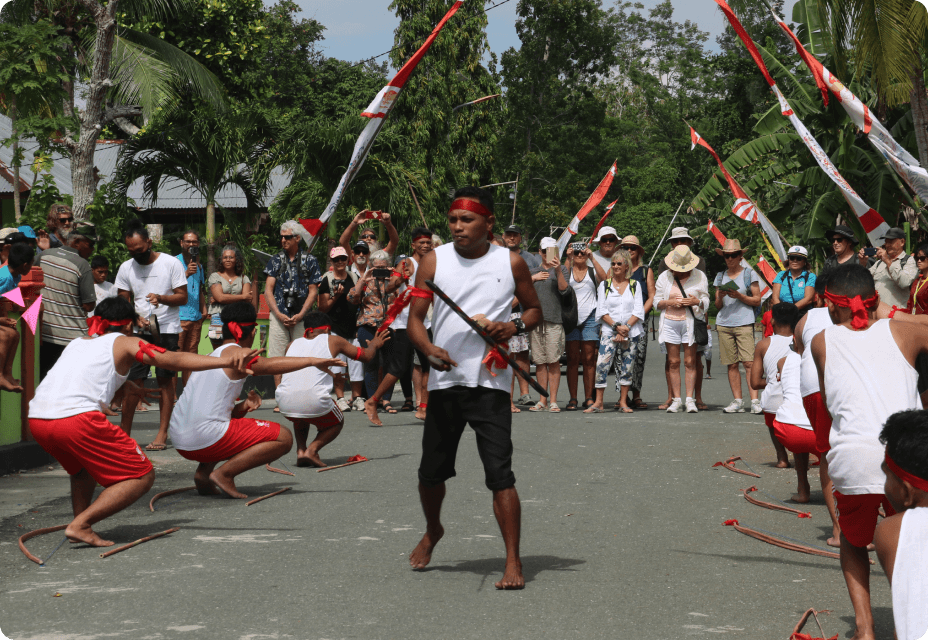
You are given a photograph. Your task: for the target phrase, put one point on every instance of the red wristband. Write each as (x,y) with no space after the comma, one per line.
(359,354)
(893,312)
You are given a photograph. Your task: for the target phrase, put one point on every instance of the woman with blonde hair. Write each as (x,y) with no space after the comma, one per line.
(619,310)
(682,296)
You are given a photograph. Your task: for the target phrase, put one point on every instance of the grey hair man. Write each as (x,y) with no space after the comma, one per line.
(293,279)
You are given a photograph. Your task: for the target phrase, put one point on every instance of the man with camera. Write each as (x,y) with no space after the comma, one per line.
(893,270)
(548,339)
(194,311)
(292,286)
(333,301)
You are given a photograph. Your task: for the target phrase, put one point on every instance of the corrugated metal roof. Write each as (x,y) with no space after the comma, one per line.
(173,194)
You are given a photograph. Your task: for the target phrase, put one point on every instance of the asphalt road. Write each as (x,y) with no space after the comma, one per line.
(622,538)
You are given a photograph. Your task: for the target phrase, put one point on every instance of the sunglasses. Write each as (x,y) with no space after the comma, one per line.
(340,259)
(921,258)
(628,247)
(618,264)
(361,252)
(796,258)
(731,255)
(609,240)
(70,219)
(369,237)
(283,237)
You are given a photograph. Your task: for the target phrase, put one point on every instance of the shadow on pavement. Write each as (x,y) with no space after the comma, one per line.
(531,566)
(779,561)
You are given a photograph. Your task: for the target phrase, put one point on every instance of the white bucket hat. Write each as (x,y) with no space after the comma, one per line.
(607,231)
(547,242)
(680,233)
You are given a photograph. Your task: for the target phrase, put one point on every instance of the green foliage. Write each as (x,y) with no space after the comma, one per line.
(109,214)
(43,195)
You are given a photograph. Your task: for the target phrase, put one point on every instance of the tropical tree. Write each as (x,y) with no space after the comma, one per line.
(209,153)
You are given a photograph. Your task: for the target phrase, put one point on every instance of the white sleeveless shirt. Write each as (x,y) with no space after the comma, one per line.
(84,376)
(772,396)
(867,379)
(202,414)
(482,286)
(307,393)
(910,576)
(817,320)
(791,410)
(402,320)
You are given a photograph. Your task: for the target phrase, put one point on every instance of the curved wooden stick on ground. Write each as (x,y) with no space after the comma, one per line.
(777,542)
(339,466)
(805,618)
(270,495)
(771,505)
(164,494)
(729,464)
(276,470)
(33,534)
(138,542)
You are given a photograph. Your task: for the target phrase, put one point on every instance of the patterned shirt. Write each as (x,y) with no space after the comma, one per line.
(68,285)
(372,302)
(293,279)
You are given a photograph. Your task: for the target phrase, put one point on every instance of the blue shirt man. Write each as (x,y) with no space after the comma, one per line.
(191,310)
(8,281)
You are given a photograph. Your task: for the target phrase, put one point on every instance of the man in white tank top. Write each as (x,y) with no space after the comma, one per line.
(902,539)
(305,396)
(463,389)
(66,415)
(208,426)
(866,373)
(763,372)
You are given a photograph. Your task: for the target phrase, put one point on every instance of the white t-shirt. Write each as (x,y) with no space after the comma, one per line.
(910,576)
(103,291)
(307,392)
(162,276)
(604,262)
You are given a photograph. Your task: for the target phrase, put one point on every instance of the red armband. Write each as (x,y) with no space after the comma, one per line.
(359,354)
(146,349)
(893,312)
(252,361)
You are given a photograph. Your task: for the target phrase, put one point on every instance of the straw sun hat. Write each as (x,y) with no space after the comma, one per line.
(681,259)
(732,245)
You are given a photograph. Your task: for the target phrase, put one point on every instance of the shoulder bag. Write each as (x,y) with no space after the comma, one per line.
(700,327)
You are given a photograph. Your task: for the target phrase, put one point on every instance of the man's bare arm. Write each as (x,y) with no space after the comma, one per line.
(818,356)
(797,335)
(757,380)
(393,238)
(415,329)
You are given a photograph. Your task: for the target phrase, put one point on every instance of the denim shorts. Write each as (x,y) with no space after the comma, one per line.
(587,331)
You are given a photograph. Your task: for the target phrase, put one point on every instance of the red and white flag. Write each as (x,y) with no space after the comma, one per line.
(744,207)
(595,198)
(714,230)
(768,273)
(871,221)
(377,111)
(601,221)
(902,162)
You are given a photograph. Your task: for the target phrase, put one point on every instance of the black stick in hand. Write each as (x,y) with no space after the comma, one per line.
(487,338)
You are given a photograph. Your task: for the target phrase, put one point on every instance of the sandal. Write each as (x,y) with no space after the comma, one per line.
(407,406)
(702,406)
(621,409)
(553,408)
(589,402)
(539,407)
(592,409)
(638,403)
(572,405)
(386,406)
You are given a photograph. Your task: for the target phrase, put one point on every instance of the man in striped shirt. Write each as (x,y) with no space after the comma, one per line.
(68,295)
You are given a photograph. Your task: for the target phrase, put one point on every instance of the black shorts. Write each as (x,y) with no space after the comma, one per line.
(397,354)
(421,358)
(488,413)
(139,370)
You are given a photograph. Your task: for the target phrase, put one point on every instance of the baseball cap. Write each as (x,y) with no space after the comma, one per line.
(13,238)
(605,232)
(798,251)
(513,228)
(29,231)
(548,242)
(361,247)
(7,232)
(338,251)
(893,234)
(87,229)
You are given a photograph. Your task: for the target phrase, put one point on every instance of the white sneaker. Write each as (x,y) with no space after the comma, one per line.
(357,404)
(675,406)
(755,407)
(736,406)
(691,406)
(343,405)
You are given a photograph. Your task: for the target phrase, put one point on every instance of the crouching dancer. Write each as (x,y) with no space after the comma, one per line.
(207,425)
(67,420)
(305,396)
(482,279)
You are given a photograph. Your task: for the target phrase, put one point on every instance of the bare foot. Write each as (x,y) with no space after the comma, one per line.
(421,556)
(370,408)
(303,461)
(512,577)
(314,459)
(86,535)
(10,384)
(205,486)
(833,542)
(420,413)
(782,464)
(513,408)
(226,484)
(665,405)
(864,635)
(801,498)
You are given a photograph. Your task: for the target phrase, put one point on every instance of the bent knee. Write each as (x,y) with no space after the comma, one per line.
(285,438)
(148,479)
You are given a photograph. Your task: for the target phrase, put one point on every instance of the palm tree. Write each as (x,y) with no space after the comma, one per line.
(130,74)
(210,153)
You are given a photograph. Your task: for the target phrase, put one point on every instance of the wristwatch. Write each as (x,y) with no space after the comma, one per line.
(520,326)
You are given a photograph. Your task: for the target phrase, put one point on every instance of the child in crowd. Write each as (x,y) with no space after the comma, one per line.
(100,267)
(18,264)
(902,539)
(768,352)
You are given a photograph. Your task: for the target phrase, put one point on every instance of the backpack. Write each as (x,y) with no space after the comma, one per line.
(631,283)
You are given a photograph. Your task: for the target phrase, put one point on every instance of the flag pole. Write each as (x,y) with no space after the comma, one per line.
(669,227)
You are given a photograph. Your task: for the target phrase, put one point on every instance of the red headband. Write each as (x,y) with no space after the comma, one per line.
(98,326)
(473,207)
(235,328)
(915,481)
(857,305)
(428,235)
(324,327)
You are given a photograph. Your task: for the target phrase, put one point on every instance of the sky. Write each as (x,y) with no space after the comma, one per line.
(358,29)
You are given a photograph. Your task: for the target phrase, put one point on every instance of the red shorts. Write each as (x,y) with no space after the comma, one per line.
(795,439)
(769,418)
(857,515)
(333,418)
(820,419)
(88,441)
(242,434)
